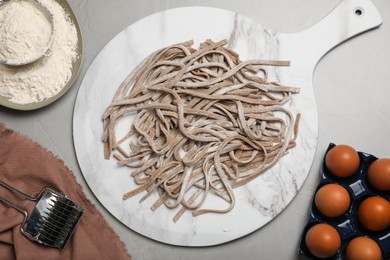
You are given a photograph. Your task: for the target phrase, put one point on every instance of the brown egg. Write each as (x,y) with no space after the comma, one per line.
(379,174)
(374,213)
(363,248)
(332,200)
(322,240)
(342,160)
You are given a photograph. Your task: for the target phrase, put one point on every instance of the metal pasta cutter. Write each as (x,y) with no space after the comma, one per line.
(52,221)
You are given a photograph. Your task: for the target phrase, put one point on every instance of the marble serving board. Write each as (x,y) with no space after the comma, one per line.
(261,200)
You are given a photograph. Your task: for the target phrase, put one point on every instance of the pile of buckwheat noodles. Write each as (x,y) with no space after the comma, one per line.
(205,123)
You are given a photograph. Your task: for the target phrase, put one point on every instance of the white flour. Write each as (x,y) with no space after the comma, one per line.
(46,77)
(21,39)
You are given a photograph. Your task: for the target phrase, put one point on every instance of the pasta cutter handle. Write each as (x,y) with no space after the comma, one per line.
(21,210)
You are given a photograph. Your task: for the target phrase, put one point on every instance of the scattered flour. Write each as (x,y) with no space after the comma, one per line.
(46,77)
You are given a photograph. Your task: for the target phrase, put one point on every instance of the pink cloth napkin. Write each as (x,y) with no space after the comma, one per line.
(29,167)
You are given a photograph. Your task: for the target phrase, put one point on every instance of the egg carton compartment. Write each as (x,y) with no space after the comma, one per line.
(347,224)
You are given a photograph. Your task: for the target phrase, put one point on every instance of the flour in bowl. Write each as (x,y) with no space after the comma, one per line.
(46,77)
(21,39)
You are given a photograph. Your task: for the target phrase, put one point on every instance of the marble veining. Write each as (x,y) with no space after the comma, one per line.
(262,199)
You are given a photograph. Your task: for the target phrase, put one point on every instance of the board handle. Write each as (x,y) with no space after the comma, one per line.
(349,18)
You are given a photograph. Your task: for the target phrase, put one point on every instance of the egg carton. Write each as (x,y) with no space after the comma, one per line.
(347,224)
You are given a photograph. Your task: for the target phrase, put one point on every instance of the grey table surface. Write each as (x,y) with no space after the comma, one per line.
(351,86)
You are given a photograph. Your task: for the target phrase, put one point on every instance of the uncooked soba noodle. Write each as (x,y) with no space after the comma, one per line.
(205,124)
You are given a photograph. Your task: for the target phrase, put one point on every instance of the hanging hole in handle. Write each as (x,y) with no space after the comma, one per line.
(359,11)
